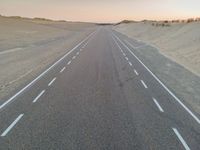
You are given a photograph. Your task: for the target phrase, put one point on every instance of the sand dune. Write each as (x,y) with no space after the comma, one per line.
(19,32)
(27,46)
(178,41)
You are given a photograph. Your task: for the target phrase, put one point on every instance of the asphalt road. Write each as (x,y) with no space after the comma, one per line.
(98,96)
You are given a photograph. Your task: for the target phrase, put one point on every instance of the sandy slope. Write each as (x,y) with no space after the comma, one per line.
(180,41)
(15,32)
(28,46)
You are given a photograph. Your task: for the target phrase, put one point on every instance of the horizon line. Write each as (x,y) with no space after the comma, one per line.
(100,22)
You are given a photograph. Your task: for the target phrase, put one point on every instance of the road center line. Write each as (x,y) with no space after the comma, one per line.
(162,84)
(181,139)
(144,84)
(35,100)
(158,105)
(69,62)
(52,81)
(12,125)
(62,69)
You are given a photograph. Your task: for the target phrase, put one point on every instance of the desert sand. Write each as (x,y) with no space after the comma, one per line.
(16,31)
(178,41)
(28,46)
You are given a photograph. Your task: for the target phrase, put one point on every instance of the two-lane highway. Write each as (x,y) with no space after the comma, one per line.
(99,95)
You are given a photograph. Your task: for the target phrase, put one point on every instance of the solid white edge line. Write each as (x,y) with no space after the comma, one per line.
(143,83)
(181,139)
(158,105)
(62,69)
(162,84)
(42,74)
(39,95)
(12,125)
(52,81)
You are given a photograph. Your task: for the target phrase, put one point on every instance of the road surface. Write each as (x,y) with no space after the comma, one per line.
(98,96)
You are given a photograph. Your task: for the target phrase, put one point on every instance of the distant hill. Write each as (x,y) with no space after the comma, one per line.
(126,22)
(36,18)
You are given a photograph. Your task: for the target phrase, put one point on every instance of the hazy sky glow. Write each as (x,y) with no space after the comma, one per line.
(102,10)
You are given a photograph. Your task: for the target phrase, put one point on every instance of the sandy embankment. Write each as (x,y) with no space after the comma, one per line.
(21,32)
(27,46)
(179,41)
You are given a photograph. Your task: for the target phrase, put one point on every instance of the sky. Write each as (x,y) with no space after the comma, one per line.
(102,10)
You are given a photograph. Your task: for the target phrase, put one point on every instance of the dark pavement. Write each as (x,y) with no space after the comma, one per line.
(104,99)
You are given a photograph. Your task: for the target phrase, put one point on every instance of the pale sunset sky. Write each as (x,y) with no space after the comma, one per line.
(102,10)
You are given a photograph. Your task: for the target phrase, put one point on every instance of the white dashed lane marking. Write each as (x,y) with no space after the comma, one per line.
(35,100)
(69,62)
(136,72)
(143,83)
(52,81)
(62,69)
(181,139)
(158,105)
(130,63)
(12,125)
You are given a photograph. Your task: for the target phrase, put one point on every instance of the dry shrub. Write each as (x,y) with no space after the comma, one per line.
(190,20)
